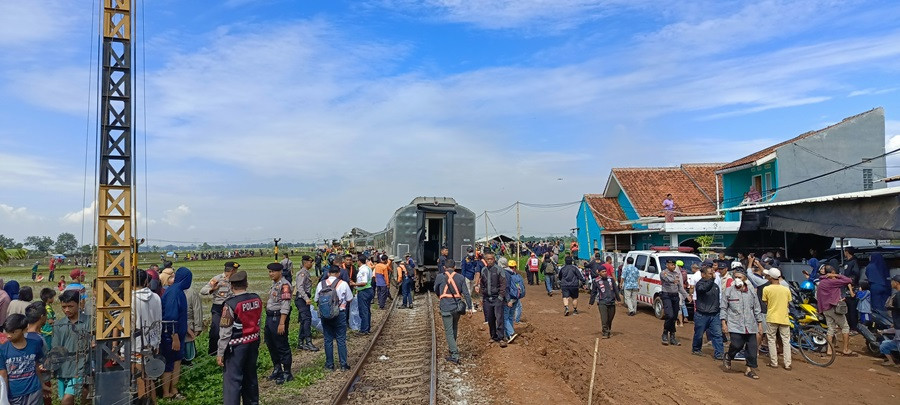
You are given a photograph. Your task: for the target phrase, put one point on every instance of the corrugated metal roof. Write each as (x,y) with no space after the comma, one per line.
(844,196)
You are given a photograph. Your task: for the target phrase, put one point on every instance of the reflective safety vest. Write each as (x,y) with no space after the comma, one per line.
(533,264)
(242,313)
(447,287)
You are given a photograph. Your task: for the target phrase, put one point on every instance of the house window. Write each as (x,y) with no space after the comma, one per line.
(867,179)
(768,186)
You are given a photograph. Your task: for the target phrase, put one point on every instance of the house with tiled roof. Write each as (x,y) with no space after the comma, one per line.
(841,158)
(629,214)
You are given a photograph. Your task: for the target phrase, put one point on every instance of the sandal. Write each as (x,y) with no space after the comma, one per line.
(751,374)
(848,354)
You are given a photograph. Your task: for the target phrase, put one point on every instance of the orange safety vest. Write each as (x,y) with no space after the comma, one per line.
(447,287)
(401,271)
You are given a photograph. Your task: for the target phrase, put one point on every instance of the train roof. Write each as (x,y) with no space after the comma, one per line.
(433,200)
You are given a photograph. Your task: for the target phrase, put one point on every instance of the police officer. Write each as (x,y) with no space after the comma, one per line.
(278,311)
(303,299)
(220,288)
(238,344)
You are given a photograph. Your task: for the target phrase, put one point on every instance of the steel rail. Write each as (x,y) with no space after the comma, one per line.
(343,396)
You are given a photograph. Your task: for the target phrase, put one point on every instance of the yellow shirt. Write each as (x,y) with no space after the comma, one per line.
(777,297)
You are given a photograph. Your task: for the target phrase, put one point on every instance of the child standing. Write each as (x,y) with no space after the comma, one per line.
(19,359)
(864,302)
(48,295)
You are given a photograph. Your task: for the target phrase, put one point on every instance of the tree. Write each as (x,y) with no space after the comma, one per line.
(39,243)
(8,243)
(66,243)
(85,250)
(4,257)
(205,246)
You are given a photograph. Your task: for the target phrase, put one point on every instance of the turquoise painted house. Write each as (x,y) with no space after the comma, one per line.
(628,214)
(813,164)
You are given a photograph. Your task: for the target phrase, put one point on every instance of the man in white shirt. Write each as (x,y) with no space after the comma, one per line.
(693,278)
(365,293)
(336,328)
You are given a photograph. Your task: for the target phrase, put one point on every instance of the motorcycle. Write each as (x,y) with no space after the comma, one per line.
(871,331)
(806,313)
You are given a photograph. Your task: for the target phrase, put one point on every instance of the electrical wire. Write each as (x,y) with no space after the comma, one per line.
(87,122)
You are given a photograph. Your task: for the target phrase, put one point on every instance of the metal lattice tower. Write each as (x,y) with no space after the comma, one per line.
(115,242)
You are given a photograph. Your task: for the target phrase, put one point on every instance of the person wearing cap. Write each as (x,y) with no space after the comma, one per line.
(672,292)
(364,293)
(278,311)
(471,269)
(448,288)
(382,275)
(777,298)
(336,328)
(303,300)
(741,316)
(237,349)
(513,305)
(220,289)
(410,263)
(570,280)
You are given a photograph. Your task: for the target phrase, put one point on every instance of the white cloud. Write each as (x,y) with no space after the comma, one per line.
(175,216)
(85,214)
(16,213)
(23,25)
(870,91)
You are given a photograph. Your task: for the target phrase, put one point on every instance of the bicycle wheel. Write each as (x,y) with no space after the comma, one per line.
(814,346)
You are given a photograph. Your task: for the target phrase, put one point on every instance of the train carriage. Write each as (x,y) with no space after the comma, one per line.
(421,228)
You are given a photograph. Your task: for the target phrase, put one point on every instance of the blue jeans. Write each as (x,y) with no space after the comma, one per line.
(508,318)
(518,310)
(889,346)
(364,301)
(549,279)
(407,287)
(711,324)
(335,329)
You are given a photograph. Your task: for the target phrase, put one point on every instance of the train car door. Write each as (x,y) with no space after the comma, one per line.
(434,238)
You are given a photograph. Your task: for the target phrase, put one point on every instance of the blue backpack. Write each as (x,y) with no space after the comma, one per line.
(515,286)
(329,302)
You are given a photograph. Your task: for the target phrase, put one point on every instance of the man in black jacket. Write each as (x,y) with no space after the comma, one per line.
(493,294)
(605,291)
(570,280)
(706,313)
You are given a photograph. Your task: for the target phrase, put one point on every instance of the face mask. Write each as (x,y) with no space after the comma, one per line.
(471,254)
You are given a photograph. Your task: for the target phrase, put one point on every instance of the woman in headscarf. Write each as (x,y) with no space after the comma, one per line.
(878,274)
(12,289)
(4,303)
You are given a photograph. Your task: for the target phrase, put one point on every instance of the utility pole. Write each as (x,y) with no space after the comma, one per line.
(484,248)
(518,236)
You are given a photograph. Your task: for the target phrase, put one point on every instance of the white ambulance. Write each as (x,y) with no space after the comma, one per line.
(649,264)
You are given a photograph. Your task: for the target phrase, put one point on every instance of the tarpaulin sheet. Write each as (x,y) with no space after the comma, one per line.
(876,217)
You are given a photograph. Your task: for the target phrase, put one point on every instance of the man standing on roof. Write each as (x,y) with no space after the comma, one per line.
(672,292)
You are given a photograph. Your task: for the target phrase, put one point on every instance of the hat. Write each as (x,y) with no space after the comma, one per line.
(232,265)
(306,258)
(238,276)
(75,273)
(406,255)
(896,278)
(773,272)
(391,258)
(736,265)
(469,249)
(671,261)
(512,263)
(706,264)
(679,263)
(275,267)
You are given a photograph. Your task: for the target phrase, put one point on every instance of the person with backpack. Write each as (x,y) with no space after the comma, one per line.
(406,278)
(605,292)
(549,269)
(454,299)
(492,287)
(515,291)
(332,296)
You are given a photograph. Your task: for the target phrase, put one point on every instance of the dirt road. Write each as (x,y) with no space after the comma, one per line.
(551,361)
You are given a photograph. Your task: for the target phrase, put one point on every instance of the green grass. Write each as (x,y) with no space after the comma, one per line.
(201,383)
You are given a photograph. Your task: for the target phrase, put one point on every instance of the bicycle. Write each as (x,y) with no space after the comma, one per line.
(813,343)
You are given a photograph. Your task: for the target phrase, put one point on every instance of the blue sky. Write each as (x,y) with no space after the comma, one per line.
(302,119)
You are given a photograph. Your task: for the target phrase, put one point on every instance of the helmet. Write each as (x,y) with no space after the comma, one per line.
(679,263)
(512,263)
(807,285)
(736,265)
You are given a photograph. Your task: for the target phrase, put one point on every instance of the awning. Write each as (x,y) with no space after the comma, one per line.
(871,214)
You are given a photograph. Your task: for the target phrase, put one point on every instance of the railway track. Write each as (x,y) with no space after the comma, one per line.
(400,362)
